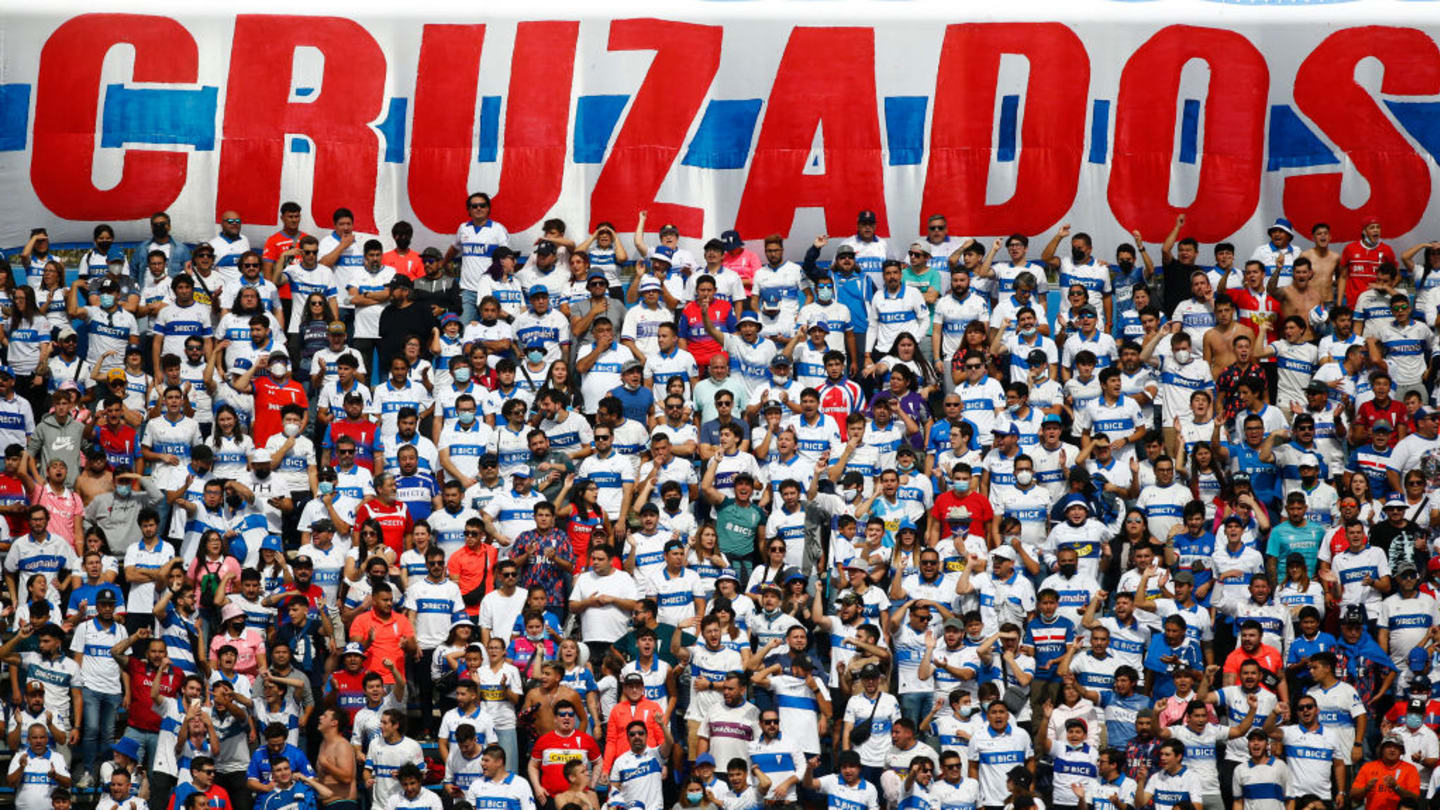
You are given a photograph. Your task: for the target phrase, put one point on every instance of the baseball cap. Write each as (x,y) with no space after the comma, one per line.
(1426,412)
(780,360)
(1395,501)
(354,648)
(113,375)
(336,328)
(1296,558)
(1003,553)
(544,248)
(259,456)
(65,333)
(523,471)
(727,573)
(1382,425)
(844,249)
(821,325)
(402,281)
(272,542)
(432,253)
(1051,419)
(772,405)
(632,365)
(866,217)
(634,678)
(322,525)
(750,317)
(953,623)
(1086,311)
(1317,387)
(1393,740)
(501,252)
(1037,357)
(6,371)
(1183,578)
(731,240)
(107,597)
(920,247)
(870,671)
(850,598)
(1308,460)
(594,274)
(706,758)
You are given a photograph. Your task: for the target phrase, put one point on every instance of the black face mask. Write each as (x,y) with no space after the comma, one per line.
(1127,266)
(1077,255)
(672,504)
(235,501)
(159,230)
(1069,570)
(262,474)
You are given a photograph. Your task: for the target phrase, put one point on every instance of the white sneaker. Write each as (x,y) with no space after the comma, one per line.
(85,782)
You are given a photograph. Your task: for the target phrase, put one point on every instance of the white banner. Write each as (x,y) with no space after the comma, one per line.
(770,117)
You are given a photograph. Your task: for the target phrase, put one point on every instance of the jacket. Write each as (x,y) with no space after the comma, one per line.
(646,711)
(179,256)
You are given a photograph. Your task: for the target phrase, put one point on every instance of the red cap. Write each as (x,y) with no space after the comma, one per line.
(1370,220)
(1434,564)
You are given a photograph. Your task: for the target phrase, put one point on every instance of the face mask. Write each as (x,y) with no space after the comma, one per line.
(234,501)
(466,417)
(262,474)
(905,468)
(1028,332)
(327,487)
(694,798)
(672,504)
(291,430)
(968,711)
(1127,266)
(1413,721)
(824,294)
(535,355)
(1183,357)
(1024,478)
(1077,255)
(1042,373)
(159,230)
(1013,408)
(962,486)
(461,374)
(106,300)
(851,495)
(488,321)
(772,613)
(278,369)
(122,490)
(1068,570)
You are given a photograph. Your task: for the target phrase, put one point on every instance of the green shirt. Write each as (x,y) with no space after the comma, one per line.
(923,283)
(737,526)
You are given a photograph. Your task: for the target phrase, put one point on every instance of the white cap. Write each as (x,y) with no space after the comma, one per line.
(259,456)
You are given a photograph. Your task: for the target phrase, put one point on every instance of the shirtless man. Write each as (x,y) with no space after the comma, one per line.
(95,477)
(1300,297)
(1219,341)
(335,764)
(1324,262)
(547,693)
(579,793)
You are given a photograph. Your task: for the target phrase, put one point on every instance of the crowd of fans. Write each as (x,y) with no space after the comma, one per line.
(332,522)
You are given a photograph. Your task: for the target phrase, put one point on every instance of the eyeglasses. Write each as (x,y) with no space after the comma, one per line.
(472,533)
(479,205)
(210,771)
(508,574)
(1414,483)
(252,265)
(947,766)
(769,720)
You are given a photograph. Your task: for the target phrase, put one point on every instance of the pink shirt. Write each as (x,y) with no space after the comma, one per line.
(247,646)
(745,263)
(64,507)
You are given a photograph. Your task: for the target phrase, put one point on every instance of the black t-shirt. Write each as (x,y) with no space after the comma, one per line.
(1176,286)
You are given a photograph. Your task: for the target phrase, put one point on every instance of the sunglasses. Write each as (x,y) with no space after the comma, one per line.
(231,221)
(471,533)
(974,365)
(936,228)
(915,253)
(564,714)
(479,205)
(251,265)
(309,252)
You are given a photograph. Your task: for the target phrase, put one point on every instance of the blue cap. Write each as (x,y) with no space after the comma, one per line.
(594,274)
(128,747)
(7,371)
(705,759)
(1419,659)
(1051,418)
(731,240)
(449,317)
(1281,224)
(905,524)
(664,253)
(271,543)
(749,317)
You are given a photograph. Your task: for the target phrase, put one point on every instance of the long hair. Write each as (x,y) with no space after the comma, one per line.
(26,311)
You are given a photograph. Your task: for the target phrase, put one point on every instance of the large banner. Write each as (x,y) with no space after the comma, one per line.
(772,116)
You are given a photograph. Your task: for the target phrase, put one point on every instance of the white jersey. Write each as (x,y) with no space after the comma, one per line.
(1177,791)
(997,753)
(1309,755)
(476,246)
(636,780)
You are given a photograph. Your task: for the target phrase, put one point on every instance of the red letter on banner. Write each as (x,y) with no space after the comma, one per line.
(442,145)
(1053,135)
(537,122)
(259,115)
(1327,93)
(69,82)
(813,91)
(686,58)
(1231,159)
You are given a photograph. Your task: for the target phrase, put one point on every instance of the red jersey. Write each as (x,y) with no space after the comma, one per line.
(554,750)
(1252,310)
(1397,713)
(1272,664)
(278,243)
(408,265)
(1394,411)
(692,329)
(216,798)
(971,514)
(12,493)
(269,399)
(394,521)
(1362,264)
(349,690)
(473,568)
(363,431)
(121,444)
(142,710)
(839,400)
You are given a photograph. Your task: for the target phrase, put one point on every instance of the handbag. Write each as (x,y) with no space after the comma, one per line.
(859,734)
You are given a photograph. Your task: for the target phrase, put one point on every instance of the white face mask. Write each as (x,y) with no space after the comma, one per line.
(1183,357)
(1024,478)
(291,430)
(278,369)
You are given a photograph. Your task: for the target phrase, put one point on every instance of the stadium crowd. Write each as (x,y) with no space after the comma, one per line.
(597,522)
